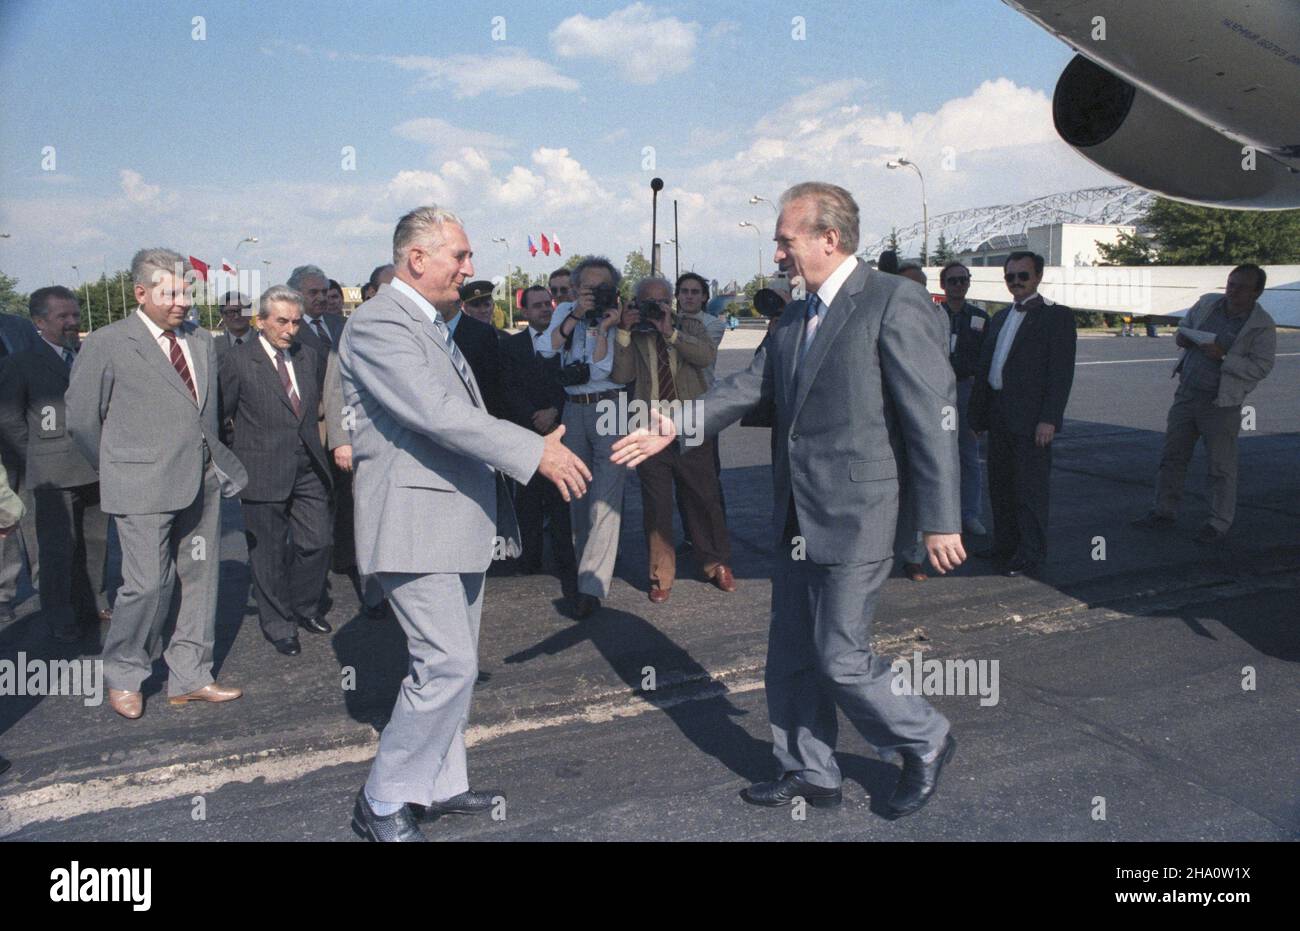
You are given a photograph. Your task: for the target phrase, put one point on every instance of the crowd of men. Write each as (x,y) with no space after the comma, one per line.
(393,446)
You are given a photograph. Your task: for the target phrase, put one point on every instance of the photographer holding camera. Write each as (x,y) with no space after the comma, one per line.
(579,334)
(666,364)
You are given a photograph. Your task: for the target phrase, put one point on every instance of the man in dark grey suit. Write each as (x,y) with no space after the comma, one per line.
(70,525)
(16,335)
(236,323)
(142,405)
(856,373)
(428,462)
(269,394)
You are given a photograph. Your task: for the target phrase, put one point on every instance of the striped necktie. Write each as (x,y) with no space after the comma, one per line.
(287,383)
(667,388)
(456,355)
(182,368)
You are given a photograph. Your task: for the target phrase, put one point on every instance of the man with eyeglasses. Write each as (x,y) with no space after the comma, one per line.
(1022,384)
(236,322)
(967,327)
(559,286)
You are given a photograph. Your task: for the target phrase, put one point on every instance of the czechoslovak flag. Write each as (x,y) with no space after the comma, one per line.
(546,245)
(532,249)
(555,244)
(200,266)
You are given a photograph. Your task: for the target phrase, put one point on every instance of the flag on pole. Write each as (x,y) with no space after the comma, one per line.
(532,249)
(555,244)
(228,268)
(200,266)
(546,245)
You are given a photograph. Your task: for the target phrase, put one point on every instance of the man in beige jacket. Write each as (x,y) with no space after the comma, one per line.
(1229,343)
(667,364)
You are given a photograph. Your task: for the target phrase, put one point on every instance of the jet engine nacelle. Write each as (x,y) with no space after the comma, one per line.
(1135,135)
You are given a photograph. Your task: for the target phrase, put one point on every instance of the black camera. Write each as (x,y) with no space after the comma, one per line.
(769,303)
(603,297)
(650,313)
(574,374)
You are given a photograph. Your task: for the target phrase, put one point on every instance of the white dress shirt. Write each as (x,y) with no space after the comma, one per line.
(429,310)
(322,330)
(834,281)
(288,362)
(1006,337)
(59,350)
(165,345)
(580,349)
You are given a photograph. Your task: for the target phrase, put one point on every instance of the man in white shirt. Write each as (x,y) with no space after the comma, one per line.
(580,334)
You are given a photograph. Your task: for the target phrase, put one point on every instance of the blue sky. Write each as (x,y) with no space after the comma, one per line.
(161,139)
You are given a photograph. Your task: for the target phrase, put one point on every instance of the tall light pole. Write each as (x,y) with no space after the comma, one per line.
(510,292)
(901,162)
(252,239)
(90,318)
(757,199)
(762,280)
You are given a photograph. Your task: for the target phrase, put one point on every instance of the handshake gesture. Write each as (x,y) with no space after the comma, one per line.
(640,445)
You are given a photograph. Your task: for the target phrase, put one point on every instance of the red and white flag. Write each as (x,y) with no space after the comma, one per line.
(555,244)
(200,266)
(546,245)
(228,268)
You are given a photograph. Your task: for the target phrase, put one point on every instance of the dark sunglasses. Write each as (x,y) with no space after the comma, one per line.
(957,279)
(1016,276)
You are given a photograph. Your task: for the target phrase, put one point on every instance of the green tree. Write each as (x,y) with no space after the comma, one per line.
(635,268)
(892,243)
(12,301)
(943,252)
(1185,234)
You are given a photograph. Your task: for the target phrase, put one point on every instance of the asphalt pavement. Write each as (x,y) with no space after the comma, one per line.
(1146,686)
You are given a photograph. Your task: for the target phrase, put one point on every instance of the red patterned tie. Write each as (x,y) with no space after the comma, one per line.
(667,389)
(179,364)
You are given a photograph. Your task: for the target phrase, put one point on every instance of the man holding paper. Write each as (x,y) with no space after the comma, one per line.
(1229,342)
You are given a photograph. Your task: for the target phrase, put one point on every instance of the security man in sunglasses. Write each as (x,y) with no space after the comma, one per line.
(1022,385)
(967,326)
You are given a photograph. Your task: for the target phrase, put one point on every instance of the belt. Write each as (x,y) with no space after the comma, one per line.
(607,395)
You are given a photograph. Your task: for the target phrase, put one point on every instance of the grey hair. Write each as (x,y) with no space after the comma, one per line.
(654,279)
(421,225)
(835,210)
(148,262)
(305,271)
(596,261)
(279,293)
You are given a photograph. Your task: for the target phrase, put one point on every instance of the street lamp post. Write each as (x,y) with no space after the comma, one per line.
(925,210)
(90,318)
(758,199)
(252,239)
(762,280)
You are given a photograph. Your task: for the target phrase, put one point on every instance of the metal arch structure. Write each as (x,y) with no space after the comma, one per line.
(966,230)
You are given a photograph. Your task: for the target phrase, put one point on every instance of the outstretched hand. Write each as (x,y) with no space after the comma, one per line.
(561,466)
(640,445)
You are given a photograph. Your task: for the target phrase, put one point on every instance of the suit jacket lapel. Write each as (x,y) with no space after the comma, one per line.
(836,316)
(154,357)
(1032,308)
(200,366)
(420,317)
(54,362)
(271,376)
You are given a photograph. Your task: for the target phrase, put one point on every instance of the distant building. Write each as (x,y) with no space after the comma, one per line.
(1068,244)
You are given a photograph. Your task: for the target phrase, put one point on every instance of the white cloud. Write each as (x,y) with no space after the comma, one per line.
(135,189)
(444,139)
(507,72)
(643,46)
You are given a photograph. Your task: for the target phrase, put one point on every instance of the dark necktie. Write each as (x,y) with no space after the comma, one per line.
(287,382)
(179,364)
(68,356)
(323,332)
(667,388)
(811,324)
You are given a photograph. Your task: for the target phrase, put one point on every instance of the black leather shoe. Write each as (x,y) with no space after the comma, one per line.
(469,802)
(1019,567)
(384,829)
(788,788)
(376,612)
(919,780)
(289,646)
(585,606)
(317,625)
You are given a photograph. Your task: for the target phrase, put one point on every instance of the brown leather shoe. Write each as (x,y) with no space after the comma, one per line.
(659,595)
(723,578)
(915,572)
(213,692)
(127,704)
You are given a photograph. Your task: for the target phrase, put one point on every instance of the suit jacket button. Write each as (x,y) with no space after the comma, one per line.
(793,437)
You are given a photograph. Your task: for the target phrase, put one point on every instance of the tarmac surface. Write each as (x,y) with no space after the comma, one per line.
(1148,695)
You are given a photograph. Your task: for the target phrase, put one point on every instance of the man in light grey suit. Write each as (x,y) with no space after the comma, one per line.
(856,374)
(143,406)
(17,334)
(429,467)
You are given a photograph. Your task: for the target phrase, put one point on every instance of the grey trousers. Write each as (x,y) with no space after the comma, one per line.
(73,535)
(1193,417)
(819,657)
(17,548)
(597,515)
(421,756)
(160,551)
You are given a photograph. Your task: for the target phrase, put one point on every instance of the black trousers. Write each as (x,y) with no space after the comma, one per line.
(289,551)
(72,533)
(537,504)
(1020,476)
